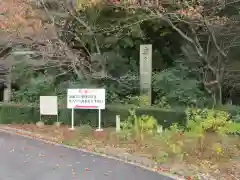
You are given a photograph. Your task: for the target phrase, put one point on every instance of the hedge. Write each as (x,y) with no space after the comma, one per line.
(15,113)
(231,109)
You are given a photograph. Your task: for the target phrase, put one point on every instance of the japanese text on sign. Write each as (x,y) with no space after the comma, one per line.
(86,98)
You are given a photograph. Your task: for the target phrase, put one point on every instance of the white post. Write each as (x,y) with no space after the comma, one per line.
(72,128)
(99,121)
(118,128)
(159,129)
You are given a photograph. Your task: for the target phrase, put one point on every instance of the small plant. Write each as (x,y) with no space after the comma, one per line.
(127,124)
(139,100)
(147,124)
(230,128)
(209,120)
(172,140)
(162,103)
(217,148)
(139,124)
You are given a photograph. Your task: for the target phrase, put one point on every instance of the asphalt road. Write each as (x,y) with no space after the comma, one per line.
(26,159)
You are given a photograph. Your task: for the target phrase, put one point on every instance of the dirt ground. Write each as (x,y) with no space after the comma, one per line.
(196,164)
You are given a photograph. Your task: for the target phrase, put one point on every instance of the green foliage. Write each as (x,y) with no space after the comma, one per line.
(21,73)
(234,111)
(236,118)
(36,87)
(177,88)
(171,138)
(140,125)
(143,123)
(111,35)
(118,89)
(206,120)
(126,124)
(147,124)
(181,142)
(20,113)
(231,128)
(139,101)
(162,103)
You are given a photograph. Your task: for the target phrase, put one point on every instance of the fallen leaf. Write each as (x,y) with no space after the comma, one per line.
(188,178)
(86,169)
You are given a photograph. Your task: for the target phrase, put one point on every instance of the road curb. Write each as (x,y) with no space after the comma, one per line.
(38,137)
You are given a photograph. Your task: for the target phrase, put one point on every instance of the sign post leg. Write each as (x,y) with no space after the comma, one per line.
(72,128)
(99,121)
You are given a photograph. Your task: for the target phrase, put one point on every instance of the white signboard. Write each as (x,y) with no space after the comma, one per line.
(86,99)
(48,105)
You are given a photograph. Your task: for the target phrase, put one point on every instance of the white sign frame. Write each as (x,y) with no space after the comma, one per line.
(48,106)
(86,99)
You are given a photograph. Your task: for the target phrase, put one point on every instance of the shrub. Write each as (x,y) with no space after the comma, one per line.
(209,134)
(139,124)
(209,120)
(16,113)
(139,101)
(233,110)
(147,123)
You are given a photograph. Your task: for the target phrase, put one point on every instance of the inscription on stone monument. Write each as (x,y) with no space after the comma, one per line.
(146,70)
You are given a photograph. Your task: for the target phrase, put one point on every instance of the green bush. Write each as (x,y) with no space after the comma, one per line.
(211,120)
(16,113)
(10,113)
(233,110)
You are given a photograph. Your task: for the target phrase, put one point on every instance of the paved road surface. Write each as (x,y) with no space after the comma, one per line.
(25,159)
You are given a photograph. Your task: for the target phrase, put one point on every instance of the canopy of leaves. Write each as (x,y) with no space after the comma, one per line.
(97,44)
